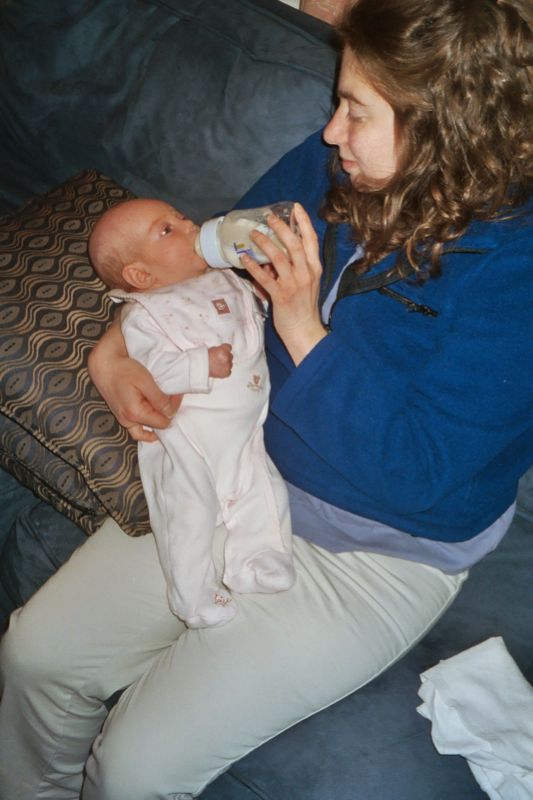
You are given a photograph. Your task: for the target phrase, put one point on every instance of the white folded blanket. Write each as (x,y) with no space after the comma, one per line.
(481,707)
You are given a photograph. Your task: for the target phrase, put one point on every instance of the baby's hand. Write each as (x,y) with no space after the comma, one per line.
(220,361)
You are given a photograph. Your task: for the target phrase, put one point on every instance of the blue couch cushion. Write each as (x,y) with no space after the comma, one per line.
(188,100)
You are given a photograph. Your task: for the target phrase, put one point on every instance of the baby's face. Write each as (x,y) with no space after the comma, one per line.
(165,242)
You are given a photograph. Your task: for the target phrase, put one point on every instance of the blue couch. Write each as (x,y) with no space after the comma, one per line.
(191,100)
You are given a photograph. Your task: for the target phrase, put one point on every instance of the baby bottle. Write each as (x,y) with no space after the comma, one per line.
(222,240)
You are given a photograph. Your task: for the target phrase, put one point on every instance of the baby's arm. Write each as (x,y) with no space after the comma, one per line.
(175,371)
(128,387)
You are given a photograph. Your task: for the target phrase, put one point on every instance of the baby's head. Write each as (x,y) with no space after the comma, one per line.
(144,244)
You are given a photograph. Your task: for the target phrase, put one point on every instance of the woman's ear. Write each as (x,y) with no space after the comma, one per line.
(137,275)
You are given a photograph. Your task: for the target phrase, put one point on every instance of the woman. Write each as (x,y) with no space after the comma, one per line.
(401,435)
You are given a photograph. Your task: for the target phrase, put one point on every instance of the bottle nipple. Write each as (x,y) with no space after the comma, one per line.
(208,244)
(197,246)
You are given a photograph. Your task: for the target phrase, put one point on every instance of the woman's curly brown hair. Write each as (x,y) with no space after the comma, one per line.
(459,76)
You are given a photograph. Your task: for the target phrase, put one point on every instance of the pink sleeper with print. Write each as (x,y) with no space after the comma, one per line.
(210,465)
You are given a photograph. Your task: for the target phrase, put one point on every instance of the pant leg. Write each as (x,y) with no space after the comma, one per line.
(95,627)
(216,694)
(199,699)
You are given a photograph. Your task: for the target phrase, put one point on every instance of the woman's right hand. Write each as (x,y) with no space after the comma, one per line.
(129,389)
(292,282)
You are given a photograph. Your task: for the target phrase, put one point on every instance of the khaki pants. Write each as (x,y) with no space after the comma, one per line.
(197,700)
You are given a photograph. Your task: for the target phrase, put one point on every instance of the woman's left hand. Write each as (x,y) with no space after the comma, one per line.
(292,283)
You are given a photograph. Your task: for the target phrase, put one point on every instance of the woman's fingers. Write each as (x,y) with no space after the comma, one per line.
(162,403)
(135,399)
(293,269)
(276,256)
(154,412)
(308,238)
(293,284)
(265,278)
(302,248)
(148,406)
(141,434)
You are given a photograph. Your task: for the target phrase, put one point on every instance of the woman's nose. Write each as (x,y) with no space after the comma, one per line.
(333,132)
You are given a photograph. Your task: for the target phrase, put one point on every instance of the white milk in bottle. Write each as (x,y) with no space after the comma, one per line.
(223,240)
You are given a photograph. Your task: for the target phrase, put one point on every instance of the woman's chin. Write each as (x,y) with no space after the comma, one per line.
(363,183)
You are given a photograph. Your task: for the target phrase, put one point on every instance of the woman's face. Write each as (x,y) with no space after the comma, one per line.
(362,128)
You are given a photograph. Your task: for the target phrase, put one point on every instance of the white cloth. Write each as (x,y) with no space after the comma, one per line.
(481,707)
(211,464)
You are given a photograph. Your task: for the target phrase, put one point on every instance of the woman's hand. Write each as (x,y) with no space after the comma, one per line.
(128,388)
(293,284)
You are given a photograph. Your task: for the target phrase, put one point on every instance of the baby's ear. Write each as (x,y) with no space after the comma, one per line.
(137,275)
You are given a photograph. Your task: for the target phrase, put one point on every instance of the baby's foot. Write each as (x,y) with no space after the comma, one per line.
(266,571)
(215,607)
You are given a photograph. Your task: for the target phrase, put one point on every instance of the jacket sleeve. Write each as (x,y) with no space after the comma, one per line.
(406,441)
(175,371)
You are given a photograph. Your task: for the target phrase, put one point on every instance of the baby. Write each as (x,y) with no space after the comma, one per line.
(200,333)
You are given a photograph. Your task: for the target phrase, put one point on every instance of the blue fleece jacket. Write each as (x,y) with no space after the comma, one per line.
(421,422)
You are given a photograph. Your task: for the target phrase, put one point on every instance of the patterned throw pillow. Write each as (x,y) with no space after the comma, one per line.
(57,435)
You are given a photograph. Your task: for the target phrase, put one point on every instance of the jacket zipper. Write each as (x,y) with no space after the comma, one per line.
(409,304)
(373,284)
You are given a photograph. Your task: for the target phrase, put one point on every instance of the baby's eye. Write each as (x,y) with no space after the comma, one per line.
(167,230)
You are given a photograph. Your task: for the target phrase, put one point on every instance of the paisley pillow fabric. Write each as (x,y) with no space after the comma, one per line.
(57,435)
